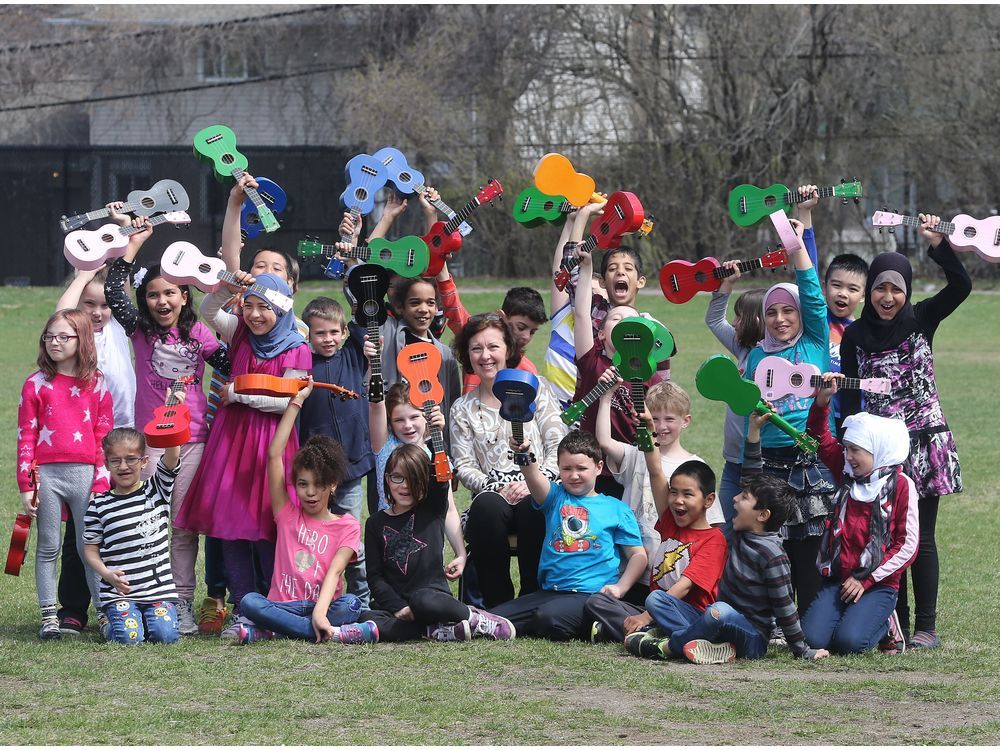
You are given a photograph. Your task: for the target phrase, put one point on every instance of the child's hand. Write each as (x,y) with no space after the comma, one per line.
(610,376)
(757,421)
(637,622)
(821,653)
(813,192)
(429,194)
(300,398)
(29,501)
(237,195)
(524,447)
(243,279)
(586,261)
(136,240)
(926,222)
(831,384)
(726,287)
(321,626)
(613,589)
(453,570)
(120,219)
(851,590)
(369,348)
(348,227)
(120,582)
(515,492)
(395,204)
(800,229)
(180,394)
(584,213)
(404,614)
(436,418)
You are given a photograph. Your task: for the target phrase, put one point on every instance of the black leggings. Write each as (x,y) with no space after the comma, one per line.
(924,571)
(806,579)
(429,607)
(74,596)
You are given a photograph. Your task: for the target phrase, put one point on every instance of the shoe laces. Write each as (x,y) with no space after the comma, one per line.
(487,626)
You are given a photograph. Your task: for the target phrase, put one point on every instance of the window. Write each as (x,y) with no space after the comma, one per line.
(218,62)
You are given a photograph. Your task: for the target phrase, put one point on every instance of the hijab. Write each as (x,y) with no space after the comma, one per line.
(283,336)
(872,333)
(887,440)
(785,294)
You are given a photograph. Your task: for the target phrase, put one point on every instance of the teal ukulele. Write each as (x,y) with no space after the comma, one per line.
(635,341)
(718,379)
(407,256)
(216,145)
(749,205)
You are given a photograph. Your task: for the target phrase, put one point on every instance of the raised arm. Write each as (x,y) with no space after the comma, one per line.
(559,298)
(538,484)
(930,312)
(715,315)
(614,451)
(276,450)
(71,296)
(394,206)
(232,242)
(115,292)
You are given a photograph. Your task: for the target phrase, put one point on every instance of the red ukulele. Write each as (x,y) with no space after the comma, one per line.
(171,423)
(681,280)
(420,364)
(444,237)
(22,529)
(623,214)
(272,385)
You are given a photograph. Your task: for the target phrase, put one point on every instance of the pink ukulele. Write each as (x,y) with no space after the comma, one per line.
(964,233)
(777,378)
(87,250)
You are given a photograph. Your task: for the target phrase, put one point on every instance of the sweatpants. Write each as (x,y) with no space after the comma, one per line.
(429,606)
(556,615)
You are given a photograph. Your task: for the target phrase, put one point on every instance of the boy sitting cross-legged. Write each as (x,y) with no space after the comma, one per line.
(587,536)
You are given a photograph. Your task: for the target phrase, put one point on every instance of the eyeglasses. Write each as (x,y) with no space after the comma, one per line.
(129,461)
(396,478)
(62,338)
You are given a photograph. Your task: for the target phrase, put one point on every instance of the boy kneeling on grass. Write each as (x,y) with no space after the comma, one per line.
(587,537)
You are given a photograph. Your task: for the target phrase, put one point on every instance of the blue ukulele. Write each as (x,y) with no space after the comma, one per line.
(366,175)
(517,390)
(273,196)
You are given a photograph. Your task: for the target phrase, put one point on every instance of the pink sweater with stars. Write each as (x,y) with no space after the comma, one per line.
(62,421)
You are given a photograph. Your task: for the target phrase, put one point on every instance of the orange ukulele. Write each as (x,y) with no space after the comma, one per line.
(22,529)
(272,385)
(171,423)
(420,364)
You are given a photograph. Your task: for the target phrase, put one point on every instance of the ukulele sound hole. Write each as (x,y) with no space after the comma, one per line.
(385,253)
(228,158)
(549,205)
(148,202)
(204,268)
(634,363)
(795,380)
(370,307)
(107,238)
(605,228)
(699,277)
(425,386)
(361,194)
(770,201)
(405,176)
(970,232)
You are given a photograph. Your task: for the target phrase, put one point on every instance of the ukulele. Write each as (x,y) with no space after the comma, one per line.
(171,423)
(368,284)
(444,238)
(663,341)
(633,338)
(532,207)
(420,364)
(681,280)
(517,390)
(407,256)
(216,145)
(276,200)
(365,175)
(164,196)
(88,250)
(183,263)
(622,215)
(408,180)
(718,379)
(964,233)
(18,549)
(278,387)
(777,378)
(554,175)
(573,413)
(749,205)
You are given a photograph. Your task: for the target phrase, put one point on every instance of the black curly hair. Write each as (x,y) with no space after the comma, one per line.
(323,456)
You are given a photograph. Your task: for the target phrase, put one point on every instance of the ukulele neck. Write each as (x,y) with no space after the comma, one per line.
(596,392)
(743,266)
(517,432)
(356,218)
(793,198)
(463,213)
(129,230)
(251,192)
(587,247)
(944,227)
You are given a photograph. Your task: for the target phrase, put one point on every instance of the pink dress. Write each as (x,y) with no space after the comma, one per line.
(228,497)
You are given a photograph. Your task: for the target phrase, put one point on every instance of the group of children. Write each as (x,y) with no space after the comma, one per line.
(613,544)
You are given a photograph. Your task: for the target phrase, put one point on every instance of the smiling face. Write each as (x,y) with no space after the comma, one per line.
(268,261)
(313,496)
(860,460)
(488,354)
(62,352)
(408,424)
(258,315)
(326,336)
(579,473)
(622,279)
(419,308)
(783,321)
(165,301)
(93,302)
(668,427)
(844,291)
(687,503)
(888,299)
(117,459)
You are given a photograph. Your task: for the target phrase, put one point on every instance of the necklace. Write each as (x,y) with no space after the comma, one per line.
(492,429)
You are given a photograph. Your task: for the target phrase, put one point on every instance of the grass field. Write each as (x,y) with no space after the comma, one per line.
(529,692)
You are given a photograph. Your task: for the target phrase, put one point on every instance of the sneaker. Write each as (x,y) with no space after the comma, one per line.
(104,625)
(595,632)
(70,625)
(706,652)
(490,625)
(185,617)
(210,618)
(361,632)
(50,629)
(777,637)
(925,639)
(644,645)
(456,631)
(894,642)
(231,633)
(249,633)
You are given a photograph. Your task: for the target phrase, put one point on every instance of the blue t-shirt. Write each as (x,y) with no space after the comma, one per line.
(582,540)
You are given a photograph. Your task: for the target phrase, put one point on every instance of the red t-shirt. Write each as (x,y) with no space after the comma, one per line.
(697,554)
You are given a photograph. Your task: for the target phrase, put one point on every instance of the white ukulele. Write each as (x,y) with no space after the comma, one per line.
(964,233)
(88,250)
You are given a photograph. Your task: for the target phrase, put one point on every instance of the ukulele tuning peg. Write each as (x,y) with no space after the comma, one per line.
(843,201)
(892,230)
(857,201)
(880,230)
(843,181)
(885,208)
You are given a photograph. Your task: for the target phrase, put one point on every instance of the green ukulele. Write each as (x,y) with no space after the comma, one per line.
(533,208)
(216,145)
(749,205)
(718,379)
(635,340)
(407,256)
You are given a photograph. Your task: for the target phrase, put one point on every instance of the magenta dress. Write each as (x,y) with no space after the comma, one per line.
(228,497)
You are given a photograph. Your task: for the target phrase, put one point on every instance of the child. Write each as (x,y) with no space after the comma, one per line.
(406,565)
(338,358)
(685,564)
(229,498)
(589,536)
(670,410)
(126,542)
(313,549)
(739,338)
(873,535)
(796,330)
(756,582)
(64,412)
(894,339)
(85,292)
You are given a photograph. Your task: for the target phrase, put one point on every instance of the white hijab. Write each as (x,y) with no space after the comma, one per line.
(887,440)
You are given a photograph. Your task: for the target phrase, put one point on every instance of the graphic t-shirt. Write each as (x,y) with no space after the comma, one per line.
(697,554)
(304,549)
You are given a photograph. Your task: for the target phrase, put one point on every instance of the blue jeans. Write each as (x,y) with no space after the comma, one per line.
(846,628)
(720,623)
(348,500)
(294,619)
(672,615)
(133,623)
(729,488)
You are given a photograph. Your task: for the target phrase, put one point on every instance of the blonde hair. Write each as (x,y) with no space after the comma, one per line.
(670,398)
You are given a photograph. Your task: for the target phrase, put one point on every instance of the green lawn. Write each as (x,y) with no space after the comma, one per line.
(529,692)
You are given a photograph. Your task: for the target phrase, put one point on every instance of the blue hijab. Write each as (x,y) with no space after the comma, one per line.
(283,336)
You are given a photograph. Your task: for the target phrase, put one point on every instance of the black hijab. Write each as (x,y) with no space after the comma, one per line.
(870,332)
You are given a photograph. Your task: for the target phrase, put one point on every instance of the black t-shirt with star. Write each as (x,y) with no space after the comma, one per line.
(406,552)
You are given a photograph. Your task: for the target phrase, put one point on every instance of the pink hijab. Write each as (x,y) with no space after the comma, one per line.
(785,294)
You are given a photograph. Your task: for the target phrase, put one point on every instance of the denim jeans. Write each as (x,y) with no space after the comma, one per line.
(729,488)
(133,623)
(672,615)
(294,619)
(720,623)
(348,500)
(846,628)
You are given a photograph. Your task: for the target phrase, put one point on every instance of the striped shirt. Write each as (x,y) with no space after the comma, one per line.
(132,533)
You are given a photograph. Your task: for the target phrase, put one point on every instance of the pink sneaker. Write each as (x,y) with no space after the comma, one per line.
(361,632)
(489,625)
